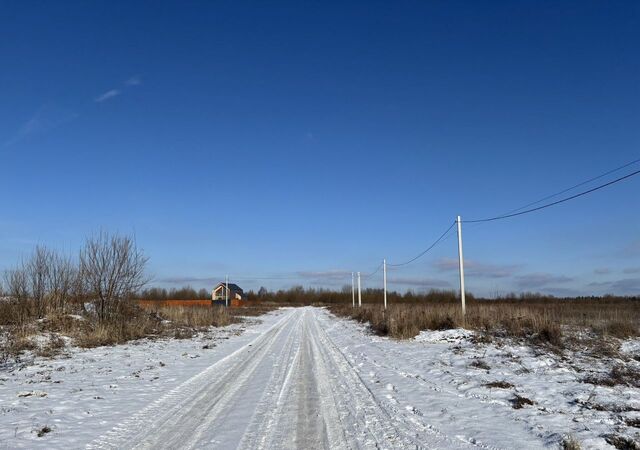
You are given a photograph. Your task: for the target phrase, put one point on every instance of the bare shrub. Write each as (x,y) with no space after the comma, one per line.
(112,270)
(17,289)
(37,269)
(63,283)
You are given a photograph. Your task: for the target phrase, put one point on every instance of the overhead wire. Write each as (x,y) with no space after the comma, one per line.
(580,194)
(564,191)
(513,213)
(424,252)
(372,273)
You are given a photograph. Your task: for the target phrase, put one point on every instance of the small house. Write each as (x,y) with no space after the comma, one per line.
(219,293)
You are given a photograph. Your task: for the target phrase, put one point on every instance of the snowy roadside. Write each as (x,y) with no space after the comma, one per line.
(84,393)
(481,392)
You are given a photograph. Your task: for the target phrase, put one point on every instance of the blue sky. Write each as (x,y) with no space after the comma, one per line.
(304,141)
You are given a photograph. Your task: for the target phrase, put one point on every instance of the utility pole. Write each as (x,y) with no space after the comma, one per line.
(226,288)
(359,292)
(353,292)
(461,265)
(384,278)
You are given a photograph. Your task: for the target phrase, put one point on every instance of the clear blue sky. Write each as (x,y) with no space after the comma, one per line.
(309,139)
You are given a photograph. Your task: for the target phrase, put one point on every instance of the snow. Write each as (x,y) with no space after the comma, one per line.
(301,378)
(87,392)
(455,335)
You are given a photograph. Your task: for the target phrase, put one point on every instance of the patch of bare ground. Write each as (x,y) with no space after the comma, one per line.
(611,407)
(519,402)
(480,364)
(44,430)
(499,385)
(618,375)
(622,442)
(635,422)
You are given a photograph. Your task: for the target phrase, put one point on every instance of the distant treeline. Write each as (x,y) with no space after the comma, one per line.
(183,293)
(298,295)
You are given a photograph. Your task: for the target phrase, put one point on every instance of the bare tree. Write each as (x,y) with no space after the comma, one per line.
(63,281)
(38,269)
(17,288)
(112,270)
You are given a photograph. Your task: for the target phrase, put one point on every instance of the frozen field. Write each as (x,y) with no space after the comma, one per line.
(300,378)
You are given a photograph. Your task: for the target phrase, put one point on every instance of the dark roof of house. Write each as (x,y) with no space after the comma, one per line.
(232,287)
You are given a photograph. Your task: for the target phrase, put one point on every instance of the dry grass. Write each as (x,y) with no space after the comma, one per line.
(197,316)
(43,337)
(541,322)
(570,443)
(253,310)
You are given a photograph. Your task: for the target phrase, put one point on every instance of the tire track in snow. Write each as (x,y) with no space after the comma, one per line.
(162,416)
(291,387)
(407,433)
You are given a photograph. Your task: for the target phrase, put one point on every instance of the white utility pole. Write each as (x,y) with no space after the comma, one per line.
(353,292)
(461,265)
(359,292)
(384,278)
(226,288)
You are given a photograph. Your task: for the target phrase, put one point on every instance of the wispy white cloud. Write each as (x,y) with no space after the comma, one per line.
(625,286)
(537,280)
(187,280)
(478,269)
(128,83)
(46,118)
(325,275)
(602,271)
(632,249)
(421,282)
(630,270)
(133,81)
(107,95)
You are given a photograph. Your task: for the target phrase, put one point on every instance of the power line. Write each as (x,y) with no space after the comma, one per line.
(372,273)
(548,197)
(506,216)
(437,241)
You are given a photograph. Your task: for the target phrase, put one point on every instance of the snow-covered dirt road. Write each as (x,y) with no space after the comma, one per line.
(302,378)
(290,387)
